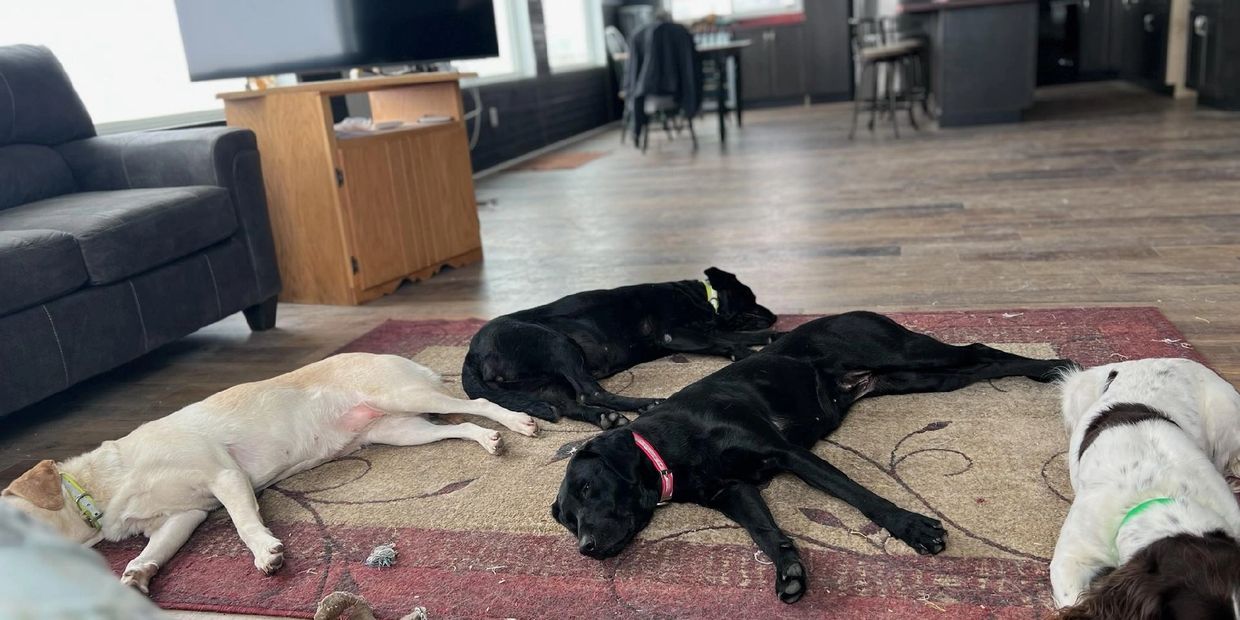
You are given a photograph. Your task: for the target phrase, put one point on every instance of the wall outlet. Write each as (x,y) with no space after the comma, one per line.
(494,114)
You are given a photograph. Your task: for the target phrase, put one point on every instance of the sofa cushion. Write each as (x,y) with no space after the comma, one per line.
(126,232)
(37,102)
(37,265)
(30,172)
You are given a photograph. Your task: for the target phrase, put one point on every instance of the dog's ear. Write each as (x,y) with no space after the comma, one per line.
(719,278)
(39,486)
(619,453)
(1132,591)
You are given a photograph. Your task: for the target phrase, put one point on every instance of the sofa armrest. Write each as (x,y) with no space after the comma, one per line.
(219,156)
(175,158)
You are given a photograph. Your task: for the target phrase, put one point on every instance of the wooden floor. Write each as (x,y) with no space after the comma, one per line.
(1106,196)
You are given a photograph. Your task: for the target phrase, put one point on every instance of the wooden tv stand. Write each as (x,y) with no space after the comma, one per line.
(353,217)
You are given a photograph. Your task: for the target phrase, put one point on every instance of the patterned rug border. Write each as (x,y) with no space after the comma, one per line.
(501,567)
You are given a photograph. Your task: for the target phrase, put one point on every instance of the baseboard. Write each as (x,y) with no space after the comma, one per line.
(777,102)
(830,97)
(1154,86)
(968,119)
(504,165)
(1228,105)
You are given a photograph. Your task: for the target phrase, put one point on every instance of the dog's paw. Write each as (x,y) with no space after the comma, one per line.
(925,535)
(654,402)
(138,575)
(270,557)
(523,424)
(611,419)
(493,442)
(790,581)
(741,353)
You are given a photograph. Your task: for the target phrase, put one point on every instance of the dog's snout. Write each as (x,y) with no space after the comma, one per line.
(585,544)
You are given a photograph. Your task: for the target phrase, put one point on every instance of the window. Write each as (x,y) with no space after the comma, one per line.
(748,8)
(124,57)
(516,51)
(574,30)
(688,10)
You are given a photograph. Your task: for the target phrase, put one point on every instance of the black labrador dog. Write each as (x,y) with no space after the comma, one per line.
(716,440)
(547,361)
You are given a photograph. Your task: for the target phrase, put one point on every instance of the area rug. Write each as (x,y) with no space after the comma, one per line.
(476,539)
(560,160)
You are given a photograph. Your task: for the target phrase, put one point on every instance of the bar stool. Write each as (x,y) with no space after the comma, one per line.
(900,63)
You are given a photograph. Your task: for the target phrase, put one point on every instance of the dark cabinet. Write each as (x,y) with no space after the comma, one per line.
(755,65)
(788,62)
(1144,28)
(1204,50)
(1117,12)
(1128,38)
(774,64)
(792,61)
(1095,29)
(1214,53)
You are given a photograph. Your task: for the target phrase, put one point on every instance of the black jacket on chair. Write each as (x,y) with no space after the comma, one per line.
(663,61)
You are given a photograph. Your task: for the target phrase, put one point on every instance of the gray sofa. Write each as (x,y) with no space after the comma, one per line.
(111,246)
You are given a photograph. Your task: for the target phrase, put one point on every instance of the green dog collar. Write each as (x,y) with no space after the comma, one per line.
(711,295)
(1142,507)
(83,500)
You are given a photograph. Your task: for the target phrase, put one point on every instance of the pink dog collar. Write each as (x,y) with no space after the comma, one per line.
(665,475)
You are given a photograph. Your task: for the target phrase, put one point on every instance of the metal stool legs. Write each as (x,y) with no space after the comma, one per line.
(891,95)
(857,104)
(901,80)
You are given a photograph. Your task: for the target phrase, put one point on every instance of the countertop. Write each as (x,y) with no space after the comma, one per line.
(947,5)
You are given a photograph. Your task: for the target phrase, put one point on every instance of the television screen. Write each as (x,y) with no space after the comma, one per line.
(242,38)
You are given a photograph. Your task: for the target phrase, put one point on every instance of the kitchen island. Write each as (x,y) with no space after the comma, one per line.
(983,56)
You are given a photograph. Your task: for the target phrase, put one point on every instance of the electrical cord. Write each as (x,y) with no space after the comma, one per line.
(475,114)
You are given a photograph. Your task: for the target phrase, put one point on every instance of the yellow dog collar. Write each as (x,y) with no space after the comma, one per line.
(711,295)
(83,500)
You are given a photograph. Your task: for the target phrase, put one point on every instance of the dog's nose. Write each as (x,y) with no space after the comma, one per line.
(585,544)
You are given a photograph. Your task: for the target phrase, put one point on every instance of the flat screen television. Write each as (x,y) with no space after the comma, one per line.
(241,38)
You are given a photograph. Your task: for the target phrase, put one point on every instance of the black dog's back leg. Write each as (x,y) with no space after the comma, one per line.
(923,534)
(567,358)
(948,379)
(885,345)
(922,351)
(524,401)
(743,504)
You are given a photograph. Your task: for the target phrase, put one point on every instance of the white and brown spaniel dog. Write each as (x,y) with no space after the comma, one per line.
(1153,530)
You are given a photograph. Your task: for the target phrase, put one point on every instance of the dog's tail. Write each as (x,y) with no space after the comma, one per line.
(477,387)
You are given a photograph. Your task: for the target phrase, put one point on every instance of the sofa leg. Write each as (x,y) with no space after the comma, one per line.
(262,316)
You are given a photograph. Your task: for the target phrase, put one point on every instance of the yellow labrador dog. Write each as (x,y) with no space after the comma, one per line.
(161,479)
